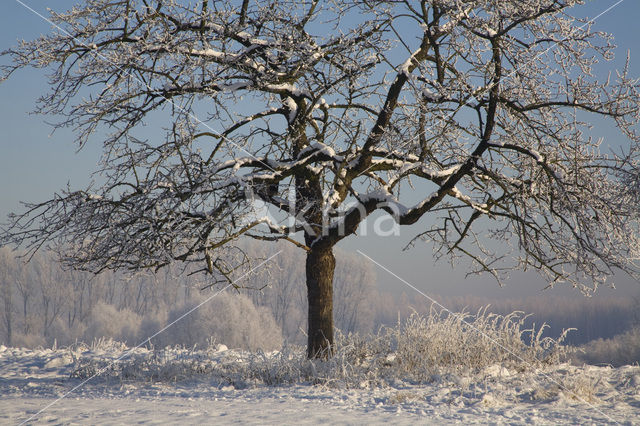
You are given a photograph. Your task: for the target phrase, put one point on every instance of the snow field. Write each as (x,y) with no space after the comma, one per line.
(457,368)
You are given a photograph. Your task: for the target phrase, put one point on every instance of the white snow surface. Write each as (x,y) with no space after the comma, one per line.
(293,108)
(38,386)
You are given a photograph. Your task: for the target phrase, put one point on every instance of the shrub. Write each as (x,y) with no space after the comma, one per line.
(231,319)
(461,341)
(619,350)
(107,321)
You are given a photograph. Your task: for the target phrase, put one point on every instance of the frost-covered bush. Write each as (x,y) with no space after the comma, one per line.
(460,341)
(31,340)
(107,321)
(620,350)
(231,319)
(63,335)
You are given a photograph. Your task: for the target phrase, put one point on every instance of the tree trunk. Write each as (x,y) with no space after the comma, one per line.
(320,266)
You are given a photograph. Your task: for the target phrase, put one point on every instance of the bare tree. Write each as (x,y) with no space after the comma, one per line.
(472,112)
(7,272)
(26,283)
(55,291)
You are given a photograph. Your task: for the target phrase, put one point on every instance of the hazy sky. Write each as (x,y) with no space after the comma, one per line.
(34,163)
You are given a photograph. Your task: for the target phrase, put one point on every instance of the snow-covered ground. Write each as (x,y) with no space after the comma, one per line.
(212,386)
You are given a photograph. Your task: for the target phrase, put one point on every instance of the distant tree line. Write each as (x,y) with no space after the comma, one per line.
(40,303)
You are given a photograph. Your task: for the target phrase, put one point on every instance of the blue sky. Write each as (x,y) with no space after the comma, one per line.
(35,163)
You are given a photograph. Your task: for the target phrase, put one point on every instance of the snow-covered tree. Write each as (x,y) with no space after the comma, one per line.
(474,113)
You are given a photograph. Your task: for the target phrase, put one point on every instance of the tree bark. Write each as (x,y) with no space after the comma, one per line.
(320,266)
